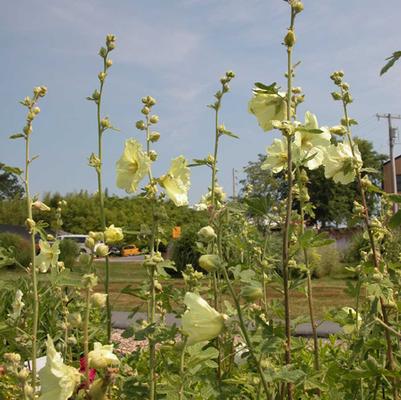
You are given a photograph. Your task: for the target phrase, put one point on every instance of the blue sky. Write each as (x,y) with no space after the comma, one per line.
(176,51)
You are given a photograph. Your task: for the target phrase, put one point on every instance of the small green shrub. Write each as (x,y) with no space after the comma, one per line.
(328,263)
(185,251)
(69,251)
(352,254)
(21,247)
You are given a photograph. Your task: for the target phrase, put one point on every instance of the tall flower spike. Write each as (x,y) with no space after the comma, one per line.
(58,381)
(176,182)
(132,167)
(200,321)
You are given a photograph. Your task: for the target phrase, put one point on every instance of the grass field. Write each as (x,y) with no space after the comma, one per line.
(327,292)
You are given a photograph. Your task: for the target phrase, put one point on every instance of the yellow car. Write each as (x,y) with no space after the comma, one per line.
(130,250)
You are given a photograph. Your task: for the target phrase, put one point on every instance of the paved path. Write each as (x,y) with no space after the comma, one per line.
(120,320)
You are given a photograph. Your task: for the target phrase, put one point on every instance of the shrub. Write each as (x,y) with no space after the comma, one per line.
(21,247)
(328,262)
(185,251)
(69,251)
(353,253)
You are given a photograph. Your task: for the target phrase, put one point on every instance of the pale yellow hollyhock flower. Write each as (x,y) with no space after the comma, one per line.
(17,305)
(340,164)
(266,108)
(200,321)
(311,144)
(48,256)
(176,182)
(113,234)
(102,356)
(99,299)
(277,157)
(57,380)
(132,166)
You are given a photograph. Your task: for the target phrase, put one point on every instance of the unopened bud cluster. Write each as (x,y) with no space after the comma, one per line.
(225,80)
(343,94)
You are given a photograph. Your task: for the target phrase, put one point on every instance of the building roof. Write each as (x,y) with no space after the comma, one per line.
(395,158)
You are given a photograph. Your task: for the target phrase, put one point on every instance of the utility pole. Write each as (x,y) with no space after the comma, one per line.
(234,184)
(391,138)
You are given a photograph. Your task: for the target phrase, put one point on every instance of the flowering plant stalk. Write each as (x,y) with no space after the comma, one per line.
(216,243)
(289,42)
(346,99)
(33,111)
(95,161)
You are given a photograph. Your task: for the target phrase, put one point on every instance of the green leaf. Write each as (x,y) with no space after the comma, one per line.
(268,89)
(228,133)
(396,198)
(198,162)
(311,239)
(309,130)
(370,170)
(395,220)
(13,170)
(392,59)
(17,136)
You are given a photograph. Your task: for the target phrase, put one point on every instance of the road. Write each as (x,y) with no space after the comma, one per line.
(120,320)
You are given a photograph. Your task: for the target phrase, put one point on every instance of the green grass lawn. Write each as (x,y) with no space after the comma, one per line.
(327,292)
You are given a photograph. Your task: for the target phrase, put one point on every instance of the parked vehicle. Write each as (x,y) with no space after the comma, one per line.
(129,250)
(80,240)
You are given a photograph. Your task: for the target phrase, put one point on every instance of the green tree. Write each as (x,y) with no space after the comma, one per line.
(10,188)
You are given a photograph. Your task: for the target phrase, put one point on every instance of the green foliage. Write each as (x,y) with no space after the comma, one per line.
(19,247)
(353,252)
(69,251)
(10,187)
(329,263)
(391,61)
(185,250)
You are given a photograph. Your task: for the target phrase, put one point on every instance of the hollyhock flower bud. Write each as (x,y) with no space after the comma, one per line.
(290,39)
(252,293)
(140,125)
(154,136)
(206,234)
(102,356)
(99,299)
(154,119)
(209,262)
(40,206)
(153,155)
(102,250)
(113,234)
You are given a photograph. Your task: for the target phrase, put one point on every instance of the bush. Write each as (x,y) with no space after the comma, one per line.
(185,251)
(20,247)
(353,253)
(328,261)
(69,251)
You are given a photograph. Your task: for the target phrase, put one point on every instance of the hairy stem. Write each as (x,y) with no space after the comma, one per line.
(33,266)
(101,202)
(285,251)
(86,336)
(390,357)
(182,369)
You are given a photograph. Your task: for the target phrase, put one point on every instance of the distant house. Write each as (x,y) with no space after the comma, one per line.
(387,174)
